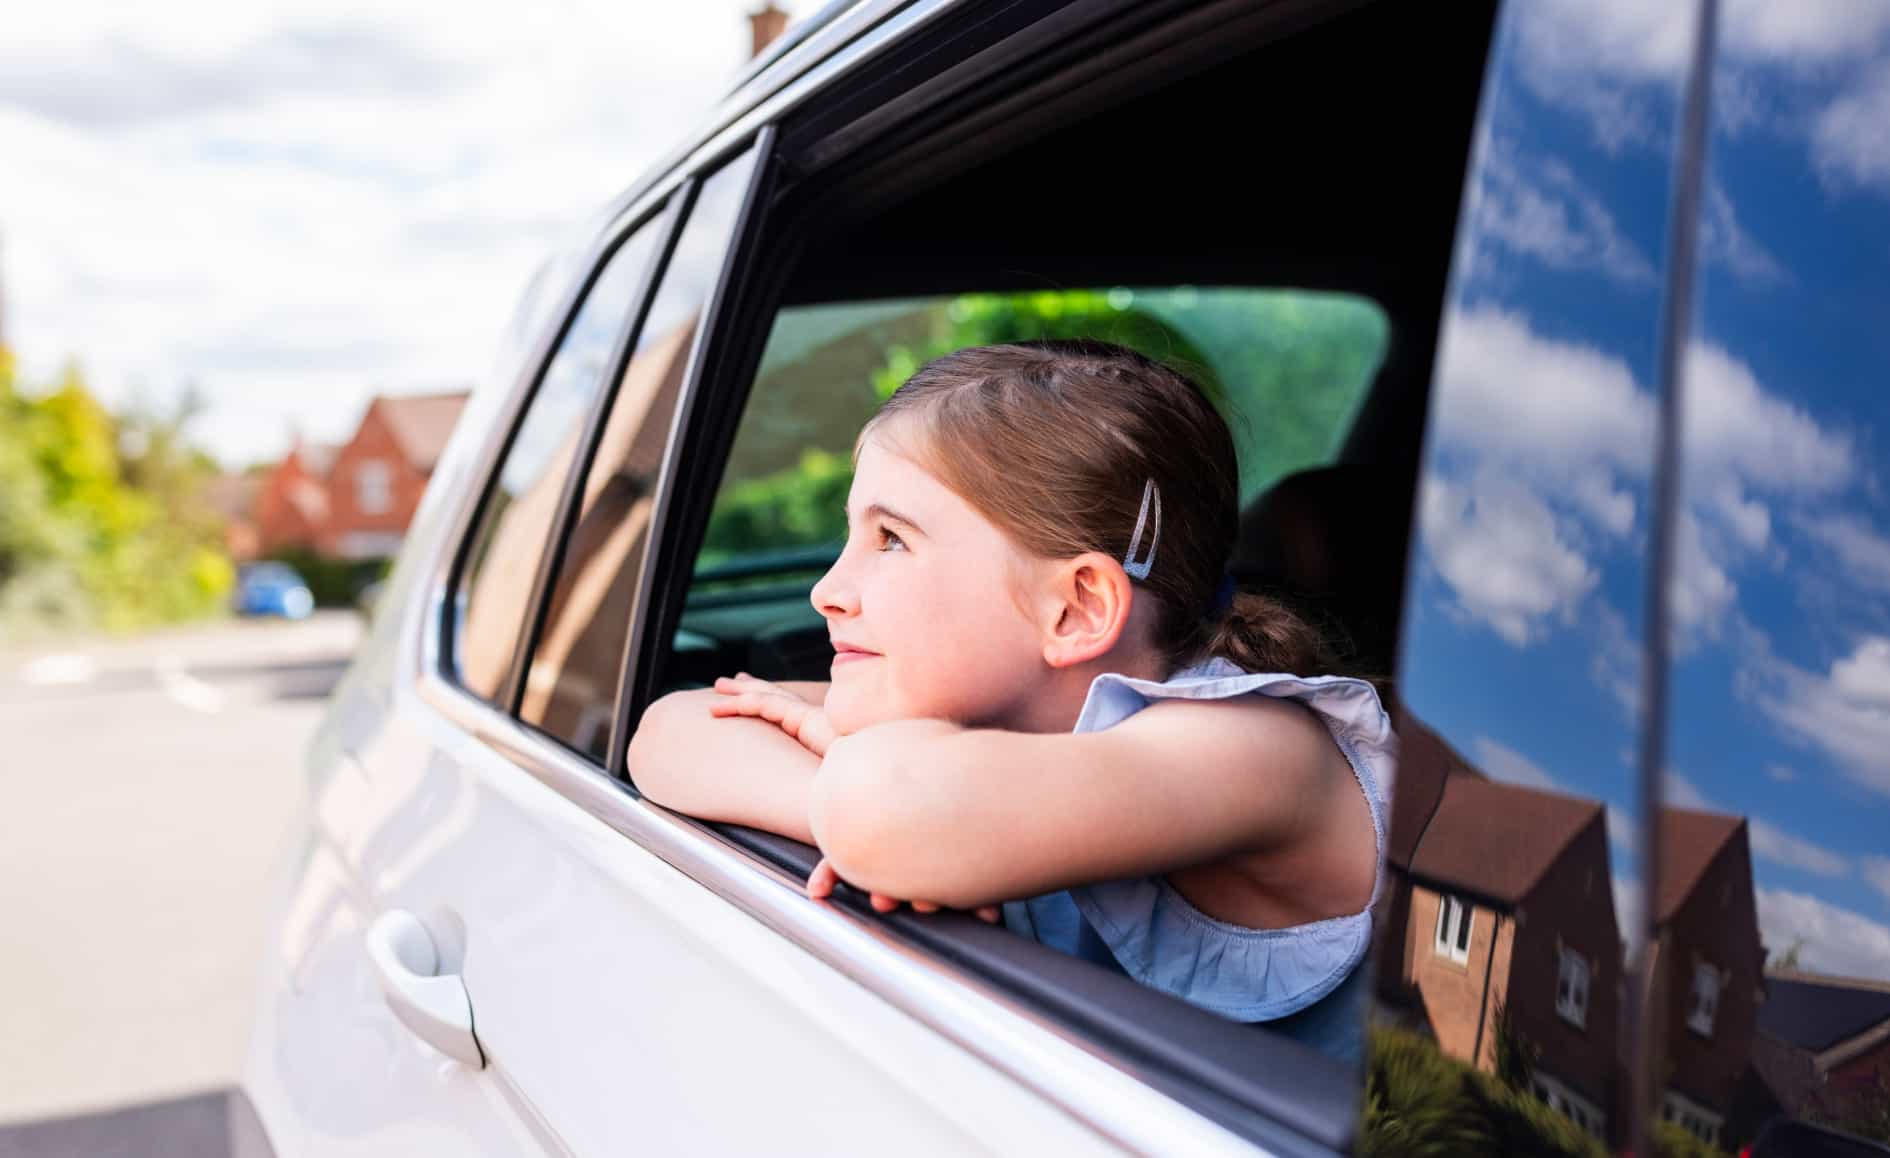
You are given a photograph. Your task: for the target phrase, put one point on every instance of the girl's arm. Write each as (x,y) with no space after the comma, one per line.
(923,808)
(733,769)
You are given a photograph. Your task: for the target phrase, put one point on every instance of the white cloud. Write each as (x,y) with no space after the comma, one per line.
(351,195)
(1846,712)
(1541,403)
(1598,57)
(1537,207)
(1616,665)
(1863,554)
(1877,875)
(1630,907)
(1780,773)
(1770,842)
(1724,240)
(1699,592)
(1499,550)
(1500,762)
(1735,427)
(1850,143)
(1803,31)
(1835,940)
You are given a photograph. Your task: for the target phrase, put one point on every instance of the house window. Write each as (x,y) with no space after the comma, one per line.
(1705,1005)
(1690,1116)
(373,487)
(1453,929)
(1568,1103)
(1571,987)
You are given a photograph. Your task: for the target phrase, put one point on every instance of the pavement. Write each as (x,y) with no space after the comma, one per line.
(150,792)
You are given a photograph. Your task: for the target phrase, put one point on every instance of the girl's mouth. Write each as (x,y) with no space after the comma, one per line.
(846,653)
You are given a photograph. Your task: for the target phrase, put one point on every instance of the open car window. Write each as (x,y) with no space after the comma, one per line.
(1287,368)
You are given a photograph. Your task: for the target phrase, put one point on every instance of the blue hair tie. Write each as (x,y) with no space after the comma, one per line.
(1223,597)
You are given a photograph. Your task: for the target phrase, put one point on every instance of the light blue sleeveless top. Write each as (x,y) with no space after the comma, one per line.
(1305,979)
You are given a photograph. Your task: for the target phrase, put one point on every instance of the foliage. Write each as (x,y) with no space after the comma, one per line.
(104,520)
(1419,1101)
(1672,1140)
(1515,1054)
(1283,364)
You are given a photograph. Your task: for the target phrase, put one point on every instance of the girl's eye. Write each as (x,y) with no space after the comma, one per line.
(890,540)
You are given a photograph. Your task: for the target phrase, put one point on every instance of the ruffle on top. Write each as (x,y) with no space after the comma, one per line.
(1164,942)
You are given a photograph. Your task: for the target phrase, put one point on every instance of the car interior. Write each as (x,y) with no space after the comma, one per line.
(1310,147)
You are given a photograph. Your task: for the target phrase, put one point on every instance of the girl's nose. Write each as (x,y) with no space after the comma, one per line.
(834,595)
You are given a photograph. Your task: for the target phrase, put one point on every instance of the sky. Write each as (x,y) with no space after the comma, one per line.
(1527,623)
(293,205)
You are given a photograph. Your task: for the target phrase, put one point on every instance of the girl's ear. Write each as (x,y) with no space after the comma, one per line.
(1086,609)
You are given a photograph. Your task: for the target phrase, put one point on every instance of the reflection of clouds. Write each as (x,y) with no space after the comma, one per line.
(1564,412)
(1850,142)
(1862,553)
(1846,711)
(1723,240)
(1539,209)
(1877,875)
(1499,550)
(1550,433)
(1743,446)
(1768,840)
(1593,58)
(1835,940)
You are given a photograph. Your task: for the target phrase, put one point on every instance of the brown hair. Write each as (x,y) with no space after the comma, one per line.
(1055,441)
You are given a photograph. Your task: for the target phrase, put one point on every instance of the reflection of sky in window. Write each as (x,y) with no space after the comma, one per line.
(1780,706)
(1782,677)
(692,270)
(1521,643)
(576,373)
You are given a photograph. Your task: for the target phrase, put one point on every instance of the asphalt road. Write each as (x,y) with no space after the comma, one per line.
(149,790)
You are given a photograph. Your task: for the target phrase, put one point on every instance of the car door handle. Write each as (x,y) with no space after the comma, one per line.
(434,1005)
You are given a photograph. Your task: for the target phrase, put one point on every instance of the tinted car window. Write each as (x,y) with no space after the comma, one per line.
(571,687)
(1773,907)
(1517,895)
(502,564)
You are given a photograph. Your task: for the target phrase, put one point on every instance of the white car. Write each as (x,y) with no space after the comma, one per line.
(1446,323)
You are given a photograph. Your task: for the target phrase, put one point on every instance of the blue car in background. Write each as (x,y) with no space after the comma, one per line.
(272,589)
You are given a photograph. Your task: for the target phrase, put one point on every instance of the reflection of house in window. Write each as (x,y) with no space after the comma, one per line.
(1705,999)
(1531,869)
(1823,1046)
(1708,953)
(1571,987)
(1690,1116)
(1454,920)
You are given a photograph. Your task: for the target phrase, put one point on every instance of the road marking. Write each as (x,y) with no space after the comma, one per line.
(186,689)
(54,670)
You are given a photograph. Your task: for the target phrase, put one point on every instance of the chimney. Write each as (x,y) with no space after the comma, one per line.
(766,25)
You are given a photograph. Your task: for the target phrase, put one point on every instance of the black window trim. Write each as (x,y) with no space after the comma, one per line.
(669,219)
(544,350)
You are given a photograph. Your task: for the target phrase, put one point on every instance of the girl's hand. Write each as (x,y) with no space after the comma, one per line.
(821,881)
(744,695)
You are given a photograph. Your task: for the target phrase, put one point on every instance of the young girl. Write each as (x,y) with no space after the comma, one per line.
(1045,696)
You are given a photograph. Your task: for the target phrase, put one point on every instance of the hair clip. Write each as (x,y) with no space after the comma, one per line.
(1136,569)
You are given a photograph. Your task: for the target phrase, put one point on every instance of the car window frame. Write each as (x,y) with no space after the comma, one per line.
(611,242)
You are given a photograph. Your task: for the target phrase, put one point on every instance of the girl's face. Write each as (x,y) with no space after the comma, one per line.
(926,605)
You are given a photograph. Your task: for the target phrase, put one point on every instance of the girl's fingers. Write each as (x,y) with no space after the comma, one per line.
(883,903)
(990,914)
(925,906)
(821,881)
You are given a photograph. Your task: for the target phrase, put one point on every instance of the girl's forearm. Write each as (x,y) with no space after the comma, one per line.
(732,769)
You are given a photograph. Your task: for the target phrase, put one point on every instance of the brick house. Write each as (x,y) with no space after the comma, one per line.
(291,507)
(1823,1044)
(1708,963)
(1502,903)
(377,477)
